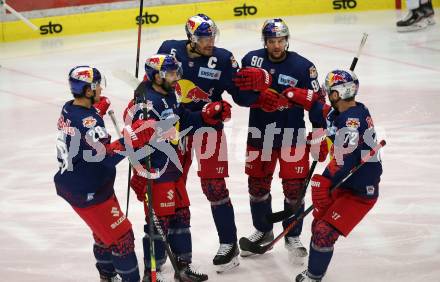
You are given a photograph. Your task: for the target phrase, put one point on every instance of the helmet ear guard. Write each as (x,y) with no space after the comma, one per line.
(345,83)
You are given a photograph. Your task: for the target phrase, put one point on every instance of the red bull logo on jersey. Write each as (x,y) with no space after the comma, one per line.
(89,122)
(196,94)
(189,92)
(353,123)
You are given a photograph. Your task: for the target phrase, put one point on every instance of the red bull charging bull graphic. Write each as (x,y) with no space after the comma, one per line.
(189,92)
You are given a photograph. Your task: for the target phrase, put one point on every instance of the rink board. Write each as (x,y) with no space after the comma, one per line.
(177,14)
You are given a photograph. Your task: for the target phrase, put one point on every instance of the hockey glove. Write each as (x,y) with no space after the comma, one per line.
(270,101)
(139,185)
(139,133)
(102,106)
(250,78)
(317,144)
(320,195)
(303,97)
(215,112)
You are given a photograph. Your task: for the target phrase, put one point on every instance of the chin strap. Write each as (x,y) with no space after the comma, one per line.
(193,48)
(92,98)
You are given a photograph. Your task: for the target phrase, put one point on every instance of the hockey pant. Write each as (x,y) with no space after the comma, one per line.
(346,211)
(260,174)
(114,239)
(211,153)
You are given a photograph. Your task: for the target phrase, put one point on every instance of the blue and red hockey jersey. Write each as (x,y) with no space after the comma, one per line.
(204,78)
(294,70)
(173,123)
(86,171)
(353,135)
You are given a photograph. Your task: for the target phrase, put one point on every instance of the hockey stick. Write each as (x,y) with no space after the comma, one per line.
(115,123)
(18,15)
(361,45)
(151,215)
(254,247)
(155,219)
(138,50)
(282,215)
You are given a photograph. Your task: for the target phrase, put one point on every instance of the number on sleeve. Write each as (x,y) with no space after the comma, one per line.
(315,85)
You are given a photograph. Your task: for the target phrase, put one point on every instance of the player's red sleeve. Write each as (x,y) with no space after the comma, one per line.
(129,113)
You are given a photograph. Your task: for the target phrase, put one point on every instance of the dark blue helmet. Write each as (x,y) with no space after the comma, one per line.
(82,76)
(199,26)
(274,28)
(161,63)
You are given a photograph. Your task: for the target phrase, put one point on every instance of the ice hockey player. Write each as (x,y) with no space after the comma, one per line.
(170,199)
(207,73)
(351,129)
(87,172)
(265,74)
(420,15)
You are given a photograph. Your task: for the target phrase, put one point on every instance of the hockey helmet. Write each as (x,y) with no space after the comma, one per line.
(200,26)
(161,64)
(345,83)
(274,28)
(83,76)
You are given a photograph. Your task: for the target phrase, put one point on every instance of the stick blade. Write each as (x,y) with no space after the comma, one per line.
(246,244)
(278,216)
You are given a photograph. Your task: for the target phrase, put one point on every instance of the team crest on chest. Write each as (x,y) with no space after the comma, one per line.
(353,123)
(89,122)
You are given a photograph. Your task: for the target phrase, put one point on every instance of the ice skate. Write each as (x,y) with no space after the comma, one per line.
(226,257)
(303,277)
(261,238)
(296,251)
(414,20)
(188,273)
(109,279)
